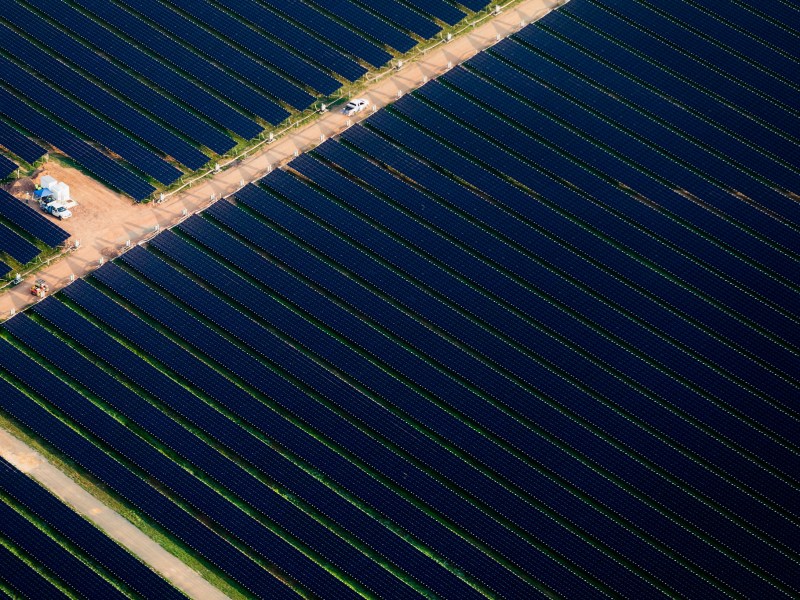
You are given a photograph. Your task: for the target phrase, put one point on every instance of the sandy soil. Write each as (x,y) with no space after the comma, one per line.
(105,220)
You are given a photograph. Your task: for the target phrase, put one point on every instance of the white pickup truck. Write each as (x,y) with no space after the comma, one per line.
(59,208)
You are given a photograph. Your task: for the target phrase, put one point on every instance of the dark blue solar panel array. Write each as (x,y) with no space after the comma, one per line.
(158,80)
(531,331)
(13,140)
(368,23)
(30,221)
(43,550)
(17,218)
(106,104)
(24,579)
(330,30)
(48,509)
(7,167)
(94,161)
(80,119)
(16,246)
(125,482)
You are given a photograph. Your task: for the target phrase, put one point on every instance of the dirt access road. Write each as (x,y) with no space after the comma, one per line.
(105,220)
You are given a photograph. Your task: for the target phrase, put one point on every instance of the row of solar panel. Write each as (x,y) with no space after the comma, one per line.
(13,141)
(256,69)
(528,480)
(405,259)
(22,218)
(58,562)
(169,281)
(130,487)
(593,386)
(182,294)
(436,582)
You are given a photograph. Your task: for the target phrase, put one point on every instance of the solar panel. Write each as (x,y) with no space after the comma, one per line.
(753,61)
(99,100)
(30,221)
(93,160)
(17,246)
(58,560)
(781,13)
(672,262)
(162,75)
(246,446)
(221,469)
(490,419)
(637,103)
(20,145)
(7,167)
(345,434)
(296,37)
(708,80)
(130,487)
(366,22)
(269,52)
(331,30)
(436,421)
(23,579)
(83,535)
(530,331)
(402,16)
(439,9)
(224,53)
(90,125)
(751,131)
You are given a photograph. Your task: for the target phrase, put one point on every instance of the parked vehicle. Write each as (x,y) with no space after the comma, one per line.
(49,200)
(355,106)
(40,289)
(59,210)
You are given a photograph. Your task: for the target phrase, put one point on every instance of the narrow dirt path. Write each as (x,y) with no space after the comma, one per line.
(105,221)
(112,523)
